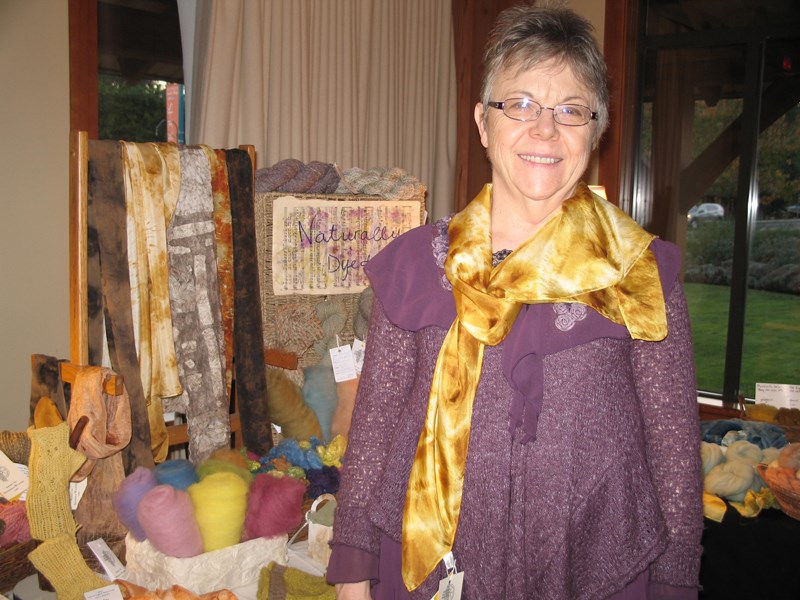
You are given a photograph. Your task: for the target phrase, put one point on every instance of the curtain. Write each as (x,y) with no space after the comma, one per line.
(360,83)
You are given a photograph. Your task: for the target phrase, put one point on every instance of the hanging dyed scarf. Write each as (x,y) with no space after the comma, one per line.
(590,252)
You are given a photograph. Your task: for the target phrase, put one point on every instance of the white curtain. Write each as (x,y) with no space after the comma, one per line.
(362,83)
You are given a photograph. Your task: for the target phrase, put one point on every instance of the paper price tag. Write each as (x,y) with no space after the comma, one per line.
(111,564)
(358,354)
(110,592)
(76,490)
(344,367)
(13,481)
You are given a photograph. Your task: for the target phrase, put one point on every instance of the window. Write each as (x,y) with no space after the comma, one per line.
(718,172)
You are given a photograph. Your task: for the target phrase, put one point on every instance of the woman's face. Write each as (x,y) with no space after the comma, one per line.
(536,161)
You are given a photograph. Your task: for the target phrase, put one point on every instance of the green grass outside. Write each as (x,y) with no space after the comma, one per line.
(771,341)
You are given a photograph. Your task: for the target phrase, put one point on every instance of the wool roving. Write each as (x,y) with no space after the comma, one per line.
(322,481)
(769,454)
(730,479)
(275,506)
(212,465)
(744,450)
(220,507)
(235,457)
(127,497)
(710,455)
(789,456)
(179,473)
(167,516)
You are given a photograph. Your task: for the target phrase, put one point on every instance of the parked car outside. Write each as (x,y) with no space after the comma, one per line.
(793,211)
(706,211)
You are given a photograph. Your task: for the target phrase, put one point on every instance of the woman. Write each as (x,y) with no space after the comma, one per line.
(527,405)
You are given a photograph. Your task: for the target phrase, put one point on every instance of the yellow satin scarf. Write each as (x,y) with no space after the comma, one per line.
(589,252)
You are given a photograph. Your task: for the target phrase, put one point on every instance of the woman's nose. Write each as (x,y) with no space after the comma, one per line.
(545,125)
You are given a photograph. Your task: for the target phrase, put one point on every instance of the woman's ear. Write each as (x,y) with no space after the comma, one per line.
(481,123)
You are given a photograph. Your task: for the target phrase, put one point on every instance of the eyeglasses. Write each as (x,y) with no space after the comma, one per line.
(526,109)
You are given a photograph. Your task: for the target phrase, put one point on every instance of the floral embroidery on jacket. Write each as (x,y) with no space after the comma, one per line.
(567,313)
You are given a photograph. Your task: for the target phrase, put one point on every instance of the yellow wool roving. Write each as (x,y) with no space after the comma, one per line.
(220,507)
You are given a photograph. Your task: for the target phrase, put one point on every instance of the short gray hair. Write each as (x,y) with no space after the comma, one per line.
(524,36)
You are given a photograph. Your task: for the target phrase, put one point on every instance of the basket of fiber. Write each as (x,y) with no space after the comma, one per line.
(781,476)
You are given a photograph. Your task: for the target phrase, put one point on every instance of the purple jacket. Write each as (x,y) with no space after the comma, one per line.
(600,482)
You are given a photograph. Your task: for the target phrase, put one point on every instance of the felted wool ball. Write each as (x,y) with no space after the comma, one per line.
(710,455)
(220,507)
(730,479)
(744,450)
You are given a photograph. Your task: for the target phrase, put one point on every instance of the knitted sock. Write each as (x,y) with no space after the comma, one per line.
(52,463)
(277,582)
(61,562)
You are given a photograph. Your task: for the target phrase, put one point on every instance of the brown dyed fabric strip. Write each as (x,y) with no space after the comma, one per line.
(250,376)
(107,190)
(196,316)
(224,242)
(151,189)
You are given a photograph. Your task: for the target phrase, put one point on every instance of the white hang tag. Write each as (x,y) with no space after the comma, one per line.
(110,592)
(344,367)
(450,586)
(358,354)
(13,479)
(76,490)
(109,561)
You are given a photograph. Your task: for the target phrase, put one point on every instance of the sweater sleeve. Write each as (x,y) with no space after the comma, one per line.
(666,386)
(386,378)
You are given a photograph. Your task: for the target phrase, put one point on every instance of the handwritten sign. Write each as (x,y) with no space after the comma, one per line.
(781,395)
(321,247)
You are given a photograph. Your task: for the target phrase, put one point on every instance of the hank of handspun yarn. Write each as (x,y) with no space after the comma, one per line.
(220,507)
(710,455)
(127,497)
(166,514)
(213,465)
(179,473)
(744,450)
(730,479)
(274,506)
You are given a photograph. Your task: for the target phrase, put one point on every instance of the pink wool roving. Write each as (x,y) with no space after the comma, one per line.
(275,506)
(220,505)
(126,499)
(167,517)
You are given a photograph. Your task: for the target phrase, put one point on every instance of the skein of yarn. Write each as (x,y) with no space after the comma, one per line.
(127,497)
(730,480)
(179,473)
(220,507)
(274,506)
(710,455)
(744,450)
(167,516)
(16,529)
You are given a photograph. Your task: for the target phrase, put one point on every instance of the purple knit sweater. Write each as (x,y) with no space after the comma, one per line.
(609,488)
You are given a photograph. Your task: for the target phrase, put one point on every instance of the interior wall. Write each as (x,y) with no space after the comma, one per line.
(34,158)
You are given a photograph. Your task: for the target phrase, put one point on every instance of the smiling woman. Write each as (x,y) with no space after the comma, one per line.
(528,397)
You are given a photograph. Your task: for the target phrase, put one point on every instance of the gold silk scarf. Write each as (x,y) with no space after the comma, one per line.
(589,252)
